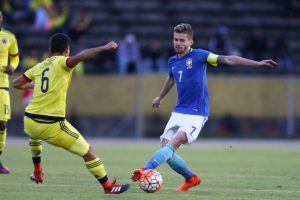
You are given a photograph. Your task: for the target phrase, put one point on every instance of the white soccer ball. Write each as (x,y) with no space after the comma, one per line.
(150,181)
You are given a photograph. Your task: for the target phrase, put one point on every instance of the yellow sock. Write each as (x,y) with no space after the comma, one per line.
(36,147)
(2,139)
(96,168)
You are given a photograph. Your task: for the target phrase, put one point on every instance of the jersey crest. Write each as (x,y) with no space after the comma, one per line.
(189,63)
(4,40)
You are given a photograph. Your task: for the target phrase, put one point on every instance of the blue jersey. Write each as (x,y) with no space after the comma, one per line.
(189,73)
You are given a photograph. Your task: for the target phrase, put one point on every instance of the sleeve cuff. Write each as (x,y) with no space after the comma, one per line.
(14,55)
(24,76)
(68,63)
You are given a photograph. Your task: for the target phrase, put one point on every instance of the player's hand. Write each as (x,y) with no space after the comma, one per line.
(111,45)
(156,102)
(9,70)
(31,85)
(267,63)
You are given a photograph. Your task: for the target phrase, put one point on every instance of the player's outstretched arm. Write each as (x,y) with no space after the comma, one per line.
(239,61)
(89,53)
(169,82)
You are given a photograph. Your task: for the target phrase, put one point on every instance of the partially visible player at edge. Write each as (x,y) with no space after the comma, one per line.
(9,61)
(188,69)
(45,115)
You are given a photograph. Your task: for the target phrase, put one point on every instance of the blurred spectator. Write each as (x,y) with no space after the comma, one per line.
(221,43)
(281,54)
(153,59)
(61,16)
(256,47)
(43,9)
(79,24)
(128,55)
(49,16)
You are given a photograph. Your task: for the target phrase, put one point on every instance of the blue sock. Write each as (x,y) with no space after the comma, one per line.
(160,157)
(179,166)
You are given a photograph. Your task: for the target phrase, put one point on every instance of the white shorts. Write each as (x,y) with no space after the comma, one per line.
(190,124)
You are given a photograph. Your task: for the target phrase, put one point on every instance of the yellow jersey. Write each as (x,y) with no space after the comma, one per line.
(8,50)
(51,80)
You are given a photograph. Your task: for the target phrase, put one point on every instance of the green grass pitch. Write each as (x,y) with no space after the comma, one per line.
(233,173)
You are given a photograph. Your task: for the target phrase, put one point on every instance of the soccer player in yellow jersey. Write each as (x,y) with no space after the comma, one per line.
(9,60)
(45,115)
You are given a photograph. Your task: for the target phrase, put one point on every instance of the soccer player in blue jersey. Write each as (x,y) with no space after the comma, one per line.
(188,70)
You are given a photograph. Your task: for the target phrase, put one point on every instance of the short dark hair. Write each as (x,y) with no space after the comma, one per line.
(59,42)
(184,28)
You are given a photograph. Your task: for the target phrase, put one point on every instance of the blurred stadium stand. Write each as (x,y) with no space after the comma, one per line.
(113,19)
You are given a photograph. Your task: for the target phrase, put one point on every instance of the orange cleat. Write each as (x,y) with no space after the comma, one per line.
(37,176)
(136,175)
(187,184)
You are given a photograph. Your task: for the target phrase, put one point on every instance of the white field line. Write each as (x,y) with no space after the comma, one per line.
(236,190)
(227,175)
(214,190)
